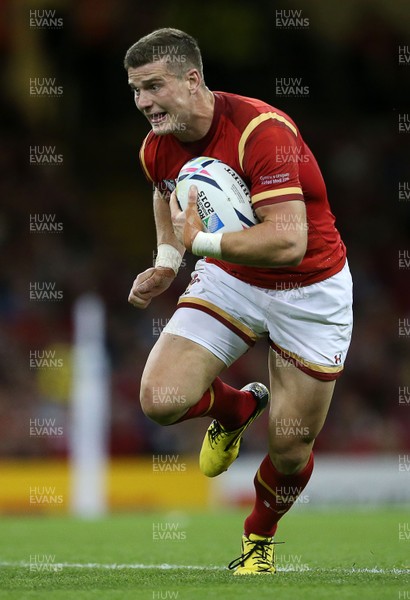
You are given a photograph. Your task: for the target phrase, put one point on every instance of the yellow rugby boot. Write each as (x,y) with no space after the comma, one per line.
(221,447)
(257,556)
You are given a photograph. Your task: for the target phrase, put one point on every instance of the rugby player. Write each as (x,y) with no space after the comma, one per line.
(286,278)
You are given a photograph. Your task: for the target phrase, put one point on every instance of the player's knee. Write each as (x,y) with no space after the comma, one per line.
(158,403)
(292,456)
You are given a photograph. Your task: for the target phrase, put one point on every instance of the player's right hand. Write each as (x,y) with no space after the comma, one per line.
(149,284)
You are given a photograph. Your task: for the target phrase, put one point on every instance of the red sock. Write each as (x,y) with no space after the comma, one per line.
(275,495)
(229,406)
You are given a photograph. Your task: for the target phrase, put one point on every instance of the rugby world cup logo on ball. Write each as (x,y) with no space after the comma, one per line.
(224,202)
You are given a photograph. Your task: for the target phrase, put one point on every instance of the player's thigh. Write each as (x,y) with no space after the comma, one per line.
(299,406)
(177,373)
(212,327)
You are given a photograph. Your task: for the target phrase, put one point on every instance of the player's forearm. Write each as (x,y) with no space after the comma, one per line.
(264,245)
(163,223)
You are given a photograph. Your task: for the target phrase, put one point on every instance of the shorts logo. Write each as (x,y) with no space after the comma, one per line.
(194,279)
(338,358)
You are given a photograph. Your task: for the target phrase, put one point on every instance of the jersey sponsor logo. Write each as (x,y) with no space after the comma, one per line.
(274,179)
(338,358)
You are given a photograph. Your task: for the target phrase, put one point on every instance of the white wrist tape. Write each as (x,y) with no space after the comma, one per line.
(207,244)
(168,256)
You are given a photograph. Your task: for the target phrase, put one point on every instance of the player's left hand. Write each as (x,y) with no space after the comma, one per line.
(187,223)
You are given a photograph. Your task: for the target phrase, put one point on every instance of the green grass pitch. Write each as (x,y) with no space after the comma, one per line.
(342,554)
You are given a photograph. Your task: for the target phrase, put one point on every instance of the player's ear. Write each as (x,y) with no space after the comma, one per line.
(193,79)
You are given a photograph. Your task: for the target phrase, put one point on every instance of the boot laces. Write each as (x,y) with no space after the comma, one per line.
(260,549)
(215,433)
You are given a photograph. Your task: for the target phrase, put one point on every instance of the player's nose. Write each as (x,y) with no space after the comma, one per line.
(143,101)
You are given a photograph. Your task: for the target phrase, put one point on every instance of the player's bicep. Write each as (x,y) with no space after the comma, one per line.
(282,212)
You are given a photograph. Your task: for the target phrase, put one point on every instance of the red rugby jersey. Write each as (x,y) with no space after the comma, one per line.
(265,148)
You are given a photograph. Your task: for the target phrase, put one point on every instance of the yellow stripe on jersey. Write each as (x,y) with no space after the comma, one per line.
(276,193)
(142,158)
(254,123)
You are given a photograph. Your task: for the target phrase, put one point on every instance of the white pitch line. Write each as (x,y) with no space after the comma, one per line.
(113,566)
(166,567)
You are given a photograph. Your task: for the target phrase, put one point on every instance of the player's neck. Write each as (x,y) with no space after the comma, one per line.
(200,118)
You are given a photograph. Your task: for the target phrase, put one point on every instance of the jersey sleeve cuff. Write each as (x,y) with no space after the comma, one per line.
(277,195)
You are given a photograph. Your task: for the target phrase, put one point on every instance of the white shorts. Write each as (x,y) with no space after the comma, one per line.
(308,326)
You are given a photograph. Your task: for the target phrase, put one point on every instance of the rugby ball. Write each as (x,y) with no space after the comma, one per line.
(224,202)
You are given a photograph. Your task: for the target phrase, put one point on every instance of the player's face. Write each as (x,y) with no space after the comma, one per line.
(162,96)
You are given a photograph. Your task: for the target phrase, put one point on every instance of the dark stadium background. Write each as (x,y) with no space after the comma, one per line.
(348,57)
